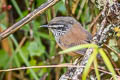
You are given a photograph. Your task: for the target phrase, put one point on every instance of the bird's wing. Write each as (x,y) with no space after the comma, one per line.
(75,36)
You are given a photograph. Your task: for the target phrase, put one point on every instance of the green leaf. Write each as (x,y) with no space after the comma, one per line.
(34,49)
(75,48)
(108,63)
(90,60)
(3,58)
(32,62)
(96,69)
(60,7)
(114,56)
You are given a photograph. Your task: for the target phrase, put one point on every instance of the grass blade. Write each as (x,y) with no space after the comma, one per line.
(90,60)
(108,63)
(75,48)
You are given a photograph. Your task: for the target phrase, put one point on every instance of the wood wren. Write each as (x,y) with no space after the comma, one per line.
(68,32)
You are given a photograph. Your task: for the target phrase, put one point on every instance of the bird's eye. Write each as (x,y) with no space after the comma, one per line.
(70,22)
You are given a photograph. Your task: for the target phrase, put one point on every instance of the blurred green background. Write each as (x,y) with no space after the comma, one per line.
(35,46)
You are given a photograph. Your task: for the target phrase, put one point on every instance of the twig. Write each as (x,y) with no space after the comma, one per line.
(113,63)
(112,50)
(27,19)
(49,66)
(73,73)
(96,19)
(45,66)
(100,38)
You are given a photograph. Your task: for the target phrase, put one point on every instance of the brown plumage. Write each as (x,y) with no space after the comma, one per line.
(68,32)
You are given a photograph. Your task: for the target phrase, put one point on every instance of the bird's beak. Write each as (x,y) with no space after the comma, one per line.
(46,26)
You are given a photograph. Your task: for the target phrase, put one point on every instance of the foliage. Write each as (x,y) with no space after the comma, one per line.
(35,46)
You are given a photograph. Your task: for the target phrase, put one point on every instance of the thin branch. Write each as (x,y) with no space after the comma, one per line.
(100,38)
(27,19)
(112,50)
(59,65)
(96,19)
(43,66)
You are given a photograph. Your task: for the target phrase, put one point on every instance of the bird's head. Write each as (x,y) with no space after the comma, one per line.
(60,25)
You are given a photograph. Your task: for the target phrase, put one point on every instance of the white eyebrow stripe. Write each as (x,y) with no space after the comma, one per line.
(55,26)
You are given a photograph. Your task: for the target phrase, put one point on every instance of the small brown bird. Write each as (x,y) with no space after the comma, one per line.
(68,32)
